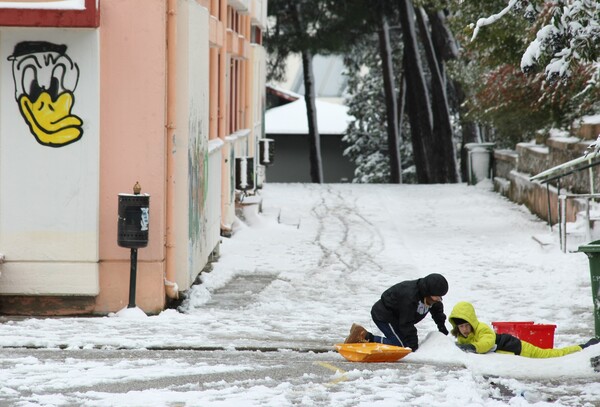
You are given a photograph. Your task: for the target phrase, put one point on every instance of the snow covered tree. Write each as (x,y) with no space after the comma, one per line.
(432,135)
(310,26)
(367,135)
(568,34)
(389,87)
(510,69)
(295,28)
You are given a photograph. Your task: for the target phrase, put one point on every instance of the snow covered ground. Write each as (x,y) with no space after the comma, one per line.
(307,267)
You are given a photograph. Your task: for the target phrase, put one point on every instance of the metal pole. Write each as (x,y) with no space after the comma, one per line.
(549,208)
(563,220)
(559,212)
(588,228)
(132,278)
(469,168)
(591,175)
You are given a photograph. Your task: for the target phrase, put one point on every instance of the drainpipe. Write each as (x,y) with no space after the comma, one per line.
(171,289)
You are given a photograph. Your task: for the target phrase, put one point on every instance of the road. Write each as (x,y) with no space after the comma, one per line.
(311,378)
(316,375)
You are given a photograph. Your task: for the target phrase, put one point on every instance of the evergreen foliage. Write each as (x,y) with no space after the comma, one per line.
(530,70)
(367,135)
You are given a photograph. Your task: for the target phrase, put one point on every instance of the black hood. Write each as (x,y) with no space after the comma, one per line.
(433,285)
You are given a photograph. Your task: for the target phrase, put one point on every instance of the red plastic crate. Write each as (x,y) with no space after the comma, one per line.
(509,327)
(540,335)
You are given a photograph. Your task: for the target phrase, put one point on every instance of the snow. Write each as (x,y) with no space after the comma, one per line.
(566,139)
(534,50)
(593,119)
(130,313)
(568,39)
(542,149)
(482,22)
(324,253)
(290,118)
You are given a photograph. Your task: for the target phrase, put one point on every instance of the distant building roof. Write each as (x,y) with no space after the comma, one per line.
(283,93)
(329,80)
(332,118)
(278,96)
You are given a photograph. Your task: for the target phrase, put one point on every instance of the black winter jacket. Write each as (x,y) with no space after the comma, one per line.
(402,306)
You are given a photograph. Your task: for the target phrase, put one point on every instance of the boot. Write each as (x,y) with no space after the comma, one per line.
(591,342)
(357,334)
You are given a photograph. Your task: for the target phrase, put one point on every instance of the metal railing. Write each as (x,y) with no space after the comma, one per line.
(586,162)
(562,216)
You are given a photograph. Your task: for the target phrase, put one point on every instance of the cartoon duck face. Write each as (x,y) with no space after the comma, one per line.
(45,79)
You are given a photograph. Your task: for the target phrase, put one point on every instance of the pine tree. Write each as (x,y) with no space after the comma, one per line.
(367,135)
(293,31)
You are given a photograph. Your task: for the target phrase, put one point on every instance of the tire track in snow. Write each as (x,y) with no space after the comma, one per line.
(344,235)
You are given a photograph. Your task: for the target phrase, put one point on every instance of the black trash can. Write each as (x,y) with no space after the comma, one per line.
(134,219)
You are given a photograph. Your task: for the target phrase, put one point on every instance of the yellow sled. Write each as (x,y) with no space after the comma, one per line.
(371,352)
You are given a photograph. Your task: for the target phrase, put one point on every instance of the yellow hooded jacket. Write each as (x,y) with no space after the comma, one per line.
(482,336)
(484,339)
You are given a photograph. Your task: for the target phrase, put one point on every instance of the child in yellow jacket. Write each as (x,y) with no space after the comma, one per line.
(475,336)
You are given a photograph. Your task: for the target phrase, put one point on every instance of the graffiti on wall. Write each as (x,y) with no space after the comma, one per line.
(198,180)
(45,78)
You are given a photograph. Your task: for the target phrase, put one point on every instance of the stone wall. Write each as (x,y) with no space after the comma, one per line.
(514,168)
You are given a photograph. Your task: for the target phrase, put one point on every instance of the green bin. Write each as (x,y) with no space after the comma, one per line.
(592,250)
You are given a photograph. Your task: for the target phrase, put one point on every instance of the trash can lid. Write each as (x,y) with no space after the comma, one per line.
(479,146)
(592,247)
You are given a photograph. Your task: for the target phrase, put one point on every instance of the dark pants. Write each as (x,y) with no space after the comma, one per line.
(391,336)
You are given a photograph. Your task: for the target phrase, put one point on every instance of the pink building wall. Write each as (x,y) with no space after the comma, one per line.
(132,144)
(144,100)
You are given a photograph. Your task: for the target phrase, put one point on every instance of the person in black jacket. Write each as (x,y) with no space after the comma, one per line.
(400,308)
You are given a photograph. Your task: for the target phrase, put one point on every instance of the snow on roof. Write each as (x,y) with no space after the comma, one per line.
(291,118)
(288,94)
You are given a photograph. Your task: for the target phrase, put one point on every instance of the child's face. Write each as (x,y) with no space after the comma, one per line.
(465,329)
(430,300)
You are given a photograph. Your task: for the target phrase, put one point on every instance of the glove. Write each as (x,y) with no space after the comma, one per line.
(466,347)
(442,329)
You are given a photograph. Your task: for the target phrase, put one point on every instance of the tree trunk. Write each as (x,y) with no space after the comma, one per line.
(314,139)
(401,105)
(470,130)
(444,152)
(385,52)
(419,109)
(444,42)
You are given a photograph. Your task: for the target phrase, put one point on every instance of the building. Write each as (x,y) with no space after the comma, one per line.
(98,95)
(287,125)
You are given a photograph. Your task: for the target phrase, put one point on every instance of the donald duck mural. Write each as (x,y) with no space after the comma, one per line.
(45,78)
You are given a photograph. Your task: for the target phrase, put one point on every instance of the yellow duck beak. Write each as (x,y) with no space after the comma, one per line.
(51,122)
